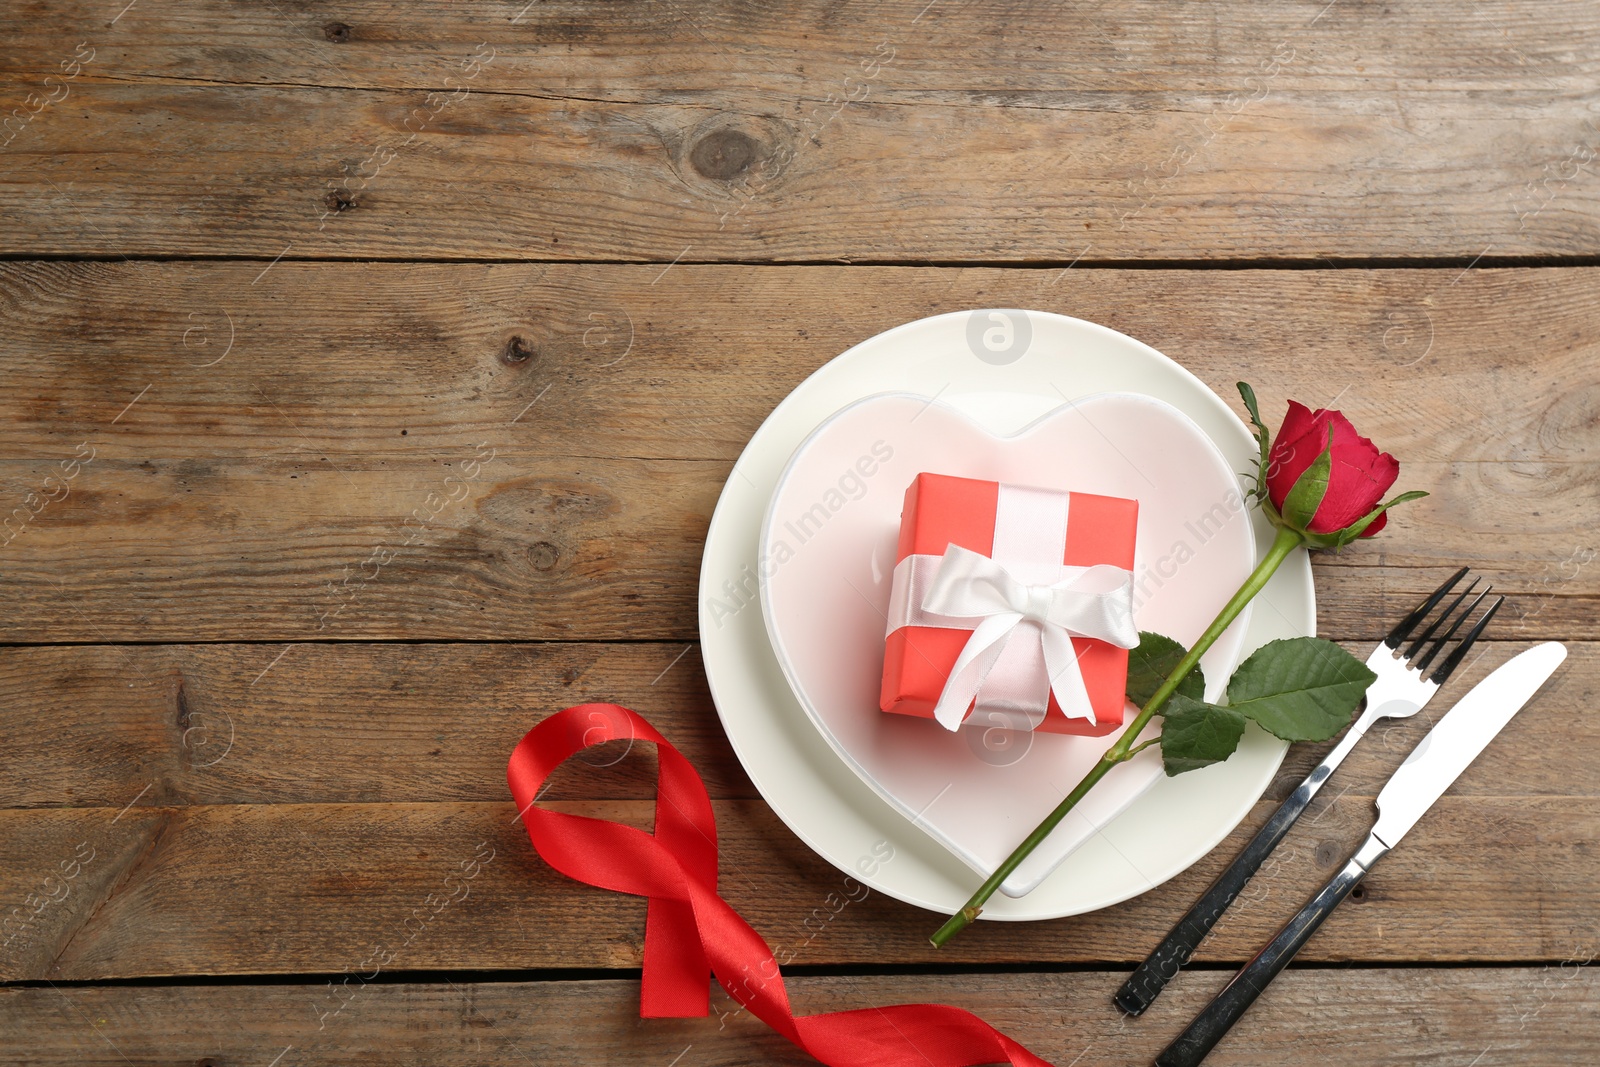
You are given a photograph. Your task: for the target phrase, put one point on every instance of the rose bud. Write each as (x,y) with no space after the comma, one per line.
(1358,476)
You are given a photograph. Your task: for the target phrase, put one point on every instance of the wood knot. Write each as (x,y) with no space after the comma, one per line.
(517,350)
(208,1061)
(543,555)
(724,154)
(338,200)
(1326,854)
(337,32)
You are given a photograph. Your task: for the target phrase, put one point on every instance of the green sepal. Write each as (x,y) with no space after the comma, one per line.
(1300,506)
(1262,435)
(1357,528)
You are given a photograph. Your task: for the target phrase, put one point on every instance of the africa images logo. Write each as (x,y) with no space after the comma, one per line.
(999,336)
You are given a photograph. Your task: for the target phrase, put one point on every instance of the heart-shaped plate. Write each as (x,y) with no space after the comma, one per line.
(827,559)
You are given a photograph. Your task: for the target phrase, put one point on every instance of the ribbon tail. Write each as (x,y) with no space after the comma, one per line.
(977,659)
(1066,677)
(675,983)
(676,980)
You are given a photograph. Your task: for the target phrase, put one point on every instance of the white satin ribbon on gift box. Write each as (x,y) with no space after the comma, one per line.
(1028,605)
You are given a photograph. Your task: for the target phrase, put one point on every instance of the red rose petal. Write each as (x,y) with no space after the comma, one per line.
(1359,477)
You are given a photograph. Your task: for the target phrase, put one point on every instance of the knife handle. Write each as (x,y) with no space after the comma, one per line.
(1146,982)
(1207,1029)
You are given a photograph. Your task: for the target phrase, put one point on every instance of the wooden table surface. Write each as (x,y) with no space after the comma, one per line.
(370,372)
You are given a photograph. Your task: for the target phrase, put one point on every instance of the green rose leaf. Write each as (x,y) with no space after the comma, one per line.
(1195,734)
(1300,688)
(1150,663)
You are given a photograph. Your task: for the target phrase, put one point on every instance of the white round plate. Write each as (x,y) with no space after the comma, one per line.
(1003,369)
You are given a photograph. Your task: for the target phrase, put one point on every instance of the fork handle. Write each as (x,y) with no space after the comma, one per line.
(1151,976)
(1218,1017)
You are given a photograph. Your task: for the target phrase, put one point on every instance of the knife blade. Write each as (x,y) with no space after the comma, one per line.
(1448,749)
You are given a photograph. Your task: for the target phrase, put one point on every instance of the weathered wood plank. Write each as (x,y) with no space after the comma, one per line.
(899,132)
(281,888)
(91,726)
(316,723)
(540,549)
(1529,1016)
(628,361)
(246,498)
(627,50)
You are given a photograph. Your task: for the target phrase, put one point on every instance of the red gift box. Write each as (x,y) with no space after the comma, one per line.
(942,511)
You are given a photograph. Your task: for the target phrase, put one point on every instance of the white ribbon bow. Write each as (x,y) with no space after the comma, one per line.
(1092,602)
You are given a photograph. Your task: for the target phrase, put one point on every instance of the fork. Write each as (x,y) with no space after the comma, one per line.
(1403,688)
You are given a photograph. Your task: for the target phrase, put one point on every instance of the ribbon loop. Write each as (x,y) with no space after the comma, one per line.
(690,930)
(1093,602)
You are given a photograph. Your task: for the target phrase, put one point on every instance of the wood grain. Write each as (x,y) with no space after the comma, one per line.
(958,133)
(393,361)
(314,723)
(355,723)
(542,549)
(294,889)
(630,51)
(245,499)
(1531,1017)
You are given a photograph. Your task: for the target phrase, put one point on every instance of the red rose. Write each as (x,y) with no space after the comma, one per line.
(1359,477)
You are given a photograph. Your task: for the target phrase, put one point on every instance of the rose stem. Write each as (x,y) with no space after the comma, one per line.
(1286,542)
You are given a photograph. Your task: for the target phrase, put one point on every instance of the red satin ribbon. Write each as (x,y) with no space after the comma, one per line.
(691,932)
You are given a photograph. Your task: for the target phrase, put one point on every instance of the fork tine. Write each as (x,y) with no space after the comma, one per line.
(1409,623)
(1449,665)
(1422,664)
(1427,635)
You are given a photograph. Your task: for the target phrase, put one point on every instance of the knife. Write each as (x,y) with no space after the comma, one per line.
(1444,753)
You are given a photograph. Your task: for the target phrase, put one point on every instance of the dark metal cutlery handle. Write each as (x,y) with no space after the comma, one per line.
(1219,1016)
(1146,983)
